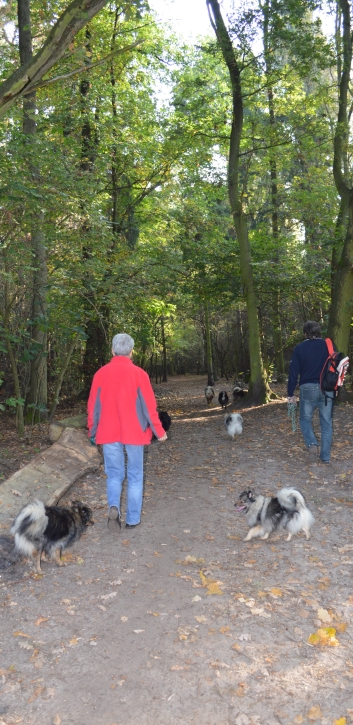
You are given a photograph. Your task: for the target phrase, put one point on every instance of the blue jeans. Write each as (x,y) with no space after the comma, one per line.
(114,464)
(312,397)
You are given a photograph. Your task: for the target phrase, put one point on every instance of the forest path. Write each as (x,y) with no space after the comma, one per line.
(179,620)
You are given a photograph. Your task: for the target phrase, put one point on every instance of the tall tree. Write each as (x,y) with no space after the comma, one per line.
(37,395)
(341,308)
(258,385)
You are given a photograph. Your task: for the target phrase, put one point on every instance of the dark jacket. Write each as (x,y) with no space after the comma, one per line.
(307,361)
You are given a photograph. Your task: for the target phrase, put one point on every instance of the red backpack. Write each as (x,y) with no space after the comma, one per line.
(334,370)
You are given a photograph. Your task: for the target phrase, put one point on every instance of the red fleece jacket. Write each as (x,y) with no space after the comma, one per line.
(121,405)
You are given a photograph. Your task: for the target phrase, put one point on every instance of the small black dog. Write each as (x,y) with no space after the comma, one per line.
(165,419)
(223,399)
(49,530)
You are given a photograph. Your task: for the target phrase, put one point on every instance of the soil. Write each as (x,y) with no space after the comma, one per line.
(180,620)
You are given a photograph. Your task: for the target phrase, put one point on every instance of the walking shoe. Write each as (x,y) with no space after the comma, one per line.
(132,526)
(114,518)
(313,454)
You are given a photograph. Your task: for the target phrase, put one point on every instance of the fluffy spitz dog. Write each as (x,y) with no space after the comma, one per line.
(286,511)
(234,424)
(49,530)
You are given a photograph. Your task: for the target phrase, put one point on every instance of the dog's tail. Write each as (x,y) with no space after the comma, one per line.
(31,522)
(291,499)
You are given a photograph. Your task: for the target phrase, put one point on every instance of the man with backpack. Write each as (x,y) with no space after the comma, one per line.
(308,363)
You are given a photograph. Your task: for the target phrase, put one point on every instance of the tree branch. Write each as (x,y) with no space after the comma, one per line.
(75,17)
(83,68)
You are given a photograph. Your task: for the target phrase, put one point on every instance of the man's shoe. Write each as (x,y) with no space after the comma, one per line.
(114,518)
(313,454)
(132,526)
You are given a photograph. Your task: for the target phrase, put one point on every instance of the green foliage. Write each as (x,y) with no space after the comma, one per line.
(131,159)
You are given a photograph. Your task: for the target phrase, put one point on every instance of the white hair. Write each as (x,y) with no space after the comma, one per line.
(122,344)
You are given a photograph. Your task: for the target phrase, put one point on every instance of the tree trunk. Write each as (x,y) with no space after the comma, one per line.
(164,353)
(37,395)
(209,361)
(61,376)
(276,297)
(341,308)
(258,388)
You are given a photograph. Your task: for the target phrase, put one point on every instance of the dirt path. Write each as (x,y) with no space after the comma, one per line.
(180,620)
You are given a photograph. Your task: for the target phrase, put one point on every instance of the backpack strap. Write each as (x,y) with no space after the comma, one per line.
(329,344)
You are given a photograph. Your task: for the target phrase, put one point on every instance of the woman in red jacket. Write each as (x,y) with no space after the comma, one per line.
(122,413)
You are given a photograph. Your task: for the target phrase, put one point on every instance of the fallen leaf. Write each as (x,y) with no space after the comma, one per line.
(115,583)
(223,630)
(324,636)
(111,595)
(211,584)
(298,720)
(196,599)
(324,616)
(26,645)
(38,690)
(190,560)
(177,667)
(57,719)
(40,620)
(124,619)
(304,613)
(341,626)
(314,713)
(16,493)
(126,542)
(240,692)
(73,641)
(216,664)
(137,631)
(201,619)
(18,633)
(276,592)
(340,721)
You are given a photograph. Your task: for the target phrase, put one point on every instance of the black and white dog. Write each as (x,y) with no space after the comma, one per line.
(223,399)
(41,530)
(239,393)
(209,394)
(234,424)
(264,515)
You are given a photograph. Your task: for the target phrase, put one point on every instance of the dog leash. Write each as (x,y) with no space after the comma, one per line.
(292,413)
